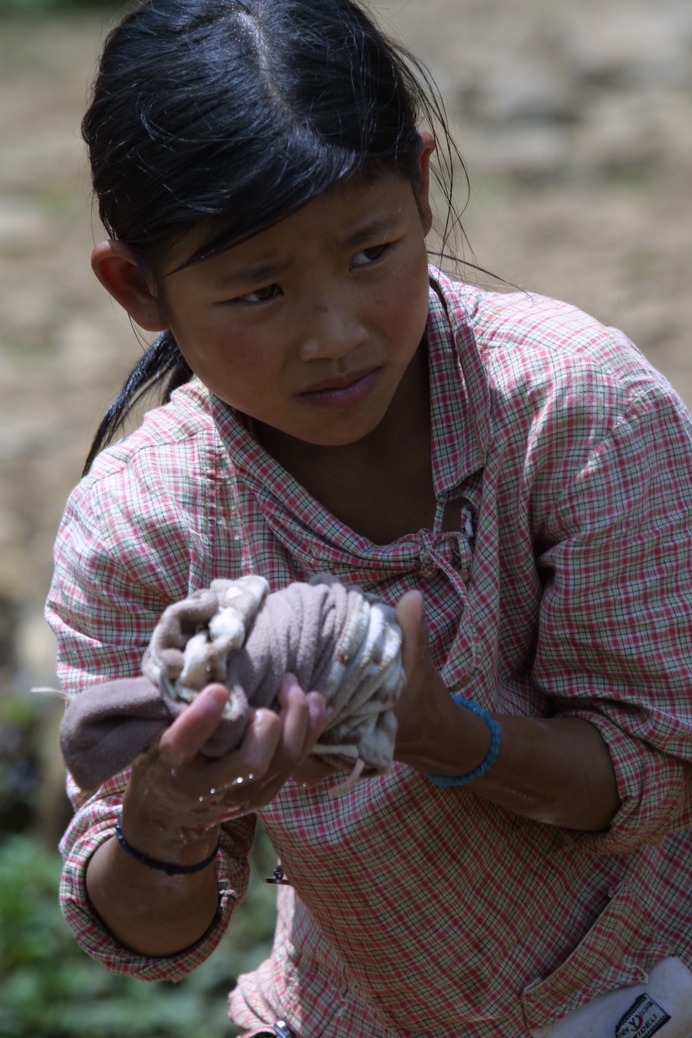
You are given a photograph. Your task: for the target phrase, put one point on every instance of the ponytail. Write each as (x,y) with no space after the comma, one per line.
(162,363)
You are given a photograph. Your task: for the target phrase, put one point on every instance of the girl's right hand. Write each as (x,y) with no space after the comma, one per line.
(177,798)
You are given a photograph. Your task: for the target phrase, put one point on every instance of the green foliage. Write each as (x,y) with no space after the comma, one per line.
(19,766)
(49,988)
(32,7)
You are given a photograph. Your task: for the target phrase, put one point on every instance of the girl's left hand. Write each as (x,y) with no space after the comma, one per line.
(425,708)
(555,771)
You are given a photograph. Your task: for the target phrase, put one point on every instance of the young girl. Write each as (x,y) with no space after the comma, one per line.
(512,475)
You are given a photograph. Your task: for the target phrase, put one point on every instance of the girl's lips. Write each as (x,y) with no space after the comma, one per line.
(342,391)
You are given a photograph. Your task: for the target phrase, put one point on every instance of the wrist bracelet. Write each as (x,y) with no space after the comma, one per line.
(491,755)
(161,866)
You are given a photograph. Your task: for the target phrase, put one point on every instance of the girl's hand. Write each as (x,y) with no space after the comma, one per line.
(556,771)
(177,796)
(425,709)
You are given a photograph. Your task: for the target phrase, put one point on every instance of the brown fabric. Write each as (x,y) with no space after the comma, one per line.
(335,639)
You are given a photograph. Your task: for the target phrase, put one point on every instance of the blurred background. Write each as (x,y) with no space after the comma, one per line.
(574,118)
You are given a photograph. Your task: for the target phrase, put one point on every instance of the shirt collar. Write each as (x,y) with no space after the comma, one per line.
(459,393)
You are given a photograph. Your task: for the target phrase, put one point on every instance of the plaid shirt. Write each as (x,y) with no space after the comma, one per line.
(416,910)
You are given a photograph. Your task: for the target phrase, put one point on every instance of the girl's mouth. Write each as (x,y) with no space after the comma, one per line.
(342,390)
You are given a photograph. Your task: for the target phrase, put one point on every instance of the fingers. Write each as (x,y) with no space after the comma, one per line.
(177,780)
(275,744)
(183,740)
(304,718)
(253,759)
(411,619)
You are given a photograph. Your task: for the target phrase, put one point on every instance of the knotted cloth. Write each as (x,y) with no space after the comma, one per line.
(337,640)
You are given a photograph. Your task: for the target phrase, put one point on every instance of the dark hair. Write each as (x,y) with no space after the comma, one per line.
(234,114)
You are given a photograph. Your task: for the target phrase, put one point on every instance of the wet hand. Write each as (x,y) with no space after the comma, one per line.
(182,793)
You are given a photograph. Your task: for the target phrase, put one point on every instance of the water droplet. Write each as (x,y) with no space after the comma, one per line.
(212,791)
(250,777)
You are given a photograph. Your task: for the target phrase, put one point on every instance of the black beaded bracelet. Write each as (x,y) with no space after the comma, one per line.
(161,866)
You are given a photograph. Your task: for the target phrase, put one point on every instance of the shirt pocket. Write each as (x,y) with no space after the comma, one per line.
(613,953)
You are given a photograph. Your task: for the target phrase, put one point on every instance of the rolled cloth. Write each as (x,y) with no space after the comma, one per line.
(335,639)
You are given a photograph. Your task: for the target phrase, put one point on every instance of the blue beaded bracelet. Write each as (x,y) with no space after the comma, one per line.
(490,757)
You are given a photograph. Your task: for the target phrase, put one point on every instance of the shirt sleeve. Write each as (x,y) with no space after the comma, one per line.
(121,556)
(616,615)
(91,826)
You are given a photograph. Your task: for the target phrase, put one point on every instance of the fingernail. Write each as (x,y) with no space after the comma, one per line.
(217,697)
(290,684)
(316,707)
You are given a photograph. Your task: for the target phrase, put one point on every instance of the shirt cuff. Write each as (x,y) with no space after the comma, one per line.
(655,790)
(89,829)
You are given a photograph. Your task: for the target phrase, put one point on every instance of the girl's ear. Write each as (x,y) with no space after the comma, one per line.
(422,189)
(115,266)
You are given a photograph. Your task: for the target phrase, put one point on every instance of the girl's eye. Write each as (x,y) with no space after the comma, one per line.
(260,295)
(368,256)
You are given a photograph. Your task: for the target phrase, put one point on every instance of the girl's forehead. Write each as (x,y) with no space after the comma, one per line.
(347,215)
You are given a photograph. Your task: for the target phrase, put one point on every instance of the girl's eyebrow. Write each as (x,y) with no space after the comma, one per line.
(376,229)
(250,272)
(262,269)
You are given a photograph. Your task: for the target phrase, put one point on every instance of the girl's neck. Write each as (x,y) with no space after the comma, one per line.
(381,485)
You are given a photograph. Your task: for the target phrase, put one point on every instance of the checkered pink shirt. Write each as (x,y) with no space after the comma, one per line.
(416,910)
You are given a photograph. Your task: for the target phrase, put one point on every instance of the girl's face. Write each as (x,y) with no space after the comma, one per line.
(309,327)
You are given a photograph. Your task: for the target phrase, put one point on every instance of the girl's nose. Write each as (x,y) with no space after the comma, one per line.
(330,331)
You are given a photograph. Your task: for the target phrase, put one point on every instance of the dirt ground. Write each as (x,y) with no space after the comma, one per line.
(575,120)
